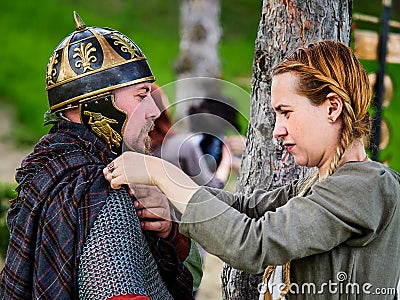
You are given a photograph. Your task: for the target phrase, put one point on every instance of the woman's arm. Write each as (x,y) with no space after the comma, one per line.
(132,167)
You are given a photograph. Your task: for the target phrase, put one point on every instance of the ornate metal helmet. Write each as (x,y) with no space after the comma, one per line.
(86,67)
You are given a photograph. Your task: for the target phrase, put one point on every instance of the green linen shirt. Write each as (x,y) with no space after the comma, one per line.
(342,237)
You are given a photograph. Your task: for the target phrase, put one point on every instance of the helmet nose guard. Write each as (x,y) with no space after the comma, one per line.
(92,61)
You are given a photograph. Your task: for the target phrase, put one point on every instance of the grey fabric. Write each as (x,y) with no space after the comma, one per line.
(103,274)
(345,230)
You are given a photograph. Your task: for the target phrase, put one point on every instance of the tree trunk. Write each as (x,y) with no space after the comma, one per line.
(200,36)
(285,25)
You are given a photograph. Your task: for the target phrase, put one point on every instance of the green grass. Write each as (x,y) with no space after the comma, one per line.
(7,192)
(34,28)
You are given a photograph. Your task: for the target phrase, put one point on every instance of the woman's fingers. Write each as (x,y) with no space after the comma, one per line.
(117,182)
(152,206)
(115,173)
(129,168)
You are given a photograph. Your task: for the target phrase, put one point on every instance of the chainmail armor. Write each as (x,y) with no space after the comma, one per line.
(116,259)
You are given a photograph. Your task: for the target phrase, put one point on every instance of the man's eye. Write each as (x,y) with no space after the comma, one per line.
(142,97)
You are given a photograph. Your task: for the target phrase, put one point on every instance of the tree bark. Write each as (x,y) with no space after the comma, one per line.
(198,59)
(285,25)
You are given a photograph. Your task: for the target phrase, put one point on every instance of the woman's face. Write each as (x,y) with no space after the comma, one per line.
(306,130)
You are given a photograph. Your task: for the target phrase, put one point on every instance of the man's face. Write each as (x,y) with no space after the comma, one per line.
(137,102)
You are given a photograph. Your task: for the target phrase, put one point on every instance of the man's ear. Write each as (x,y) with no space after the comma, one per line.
(334,106)
(72,114)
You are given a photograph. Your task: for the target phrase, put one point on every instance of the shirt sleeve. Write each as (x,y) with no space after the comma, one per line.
(188,253)
(258,202)
(178,278)
(194,264)
(346,207)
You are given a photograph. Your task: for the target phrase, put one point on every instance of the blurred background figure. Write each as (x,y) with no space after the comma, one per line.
(236,144)
(205,153)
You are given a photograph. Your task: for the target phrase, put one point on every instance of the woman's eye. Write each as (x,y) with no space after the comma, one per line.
(286,113)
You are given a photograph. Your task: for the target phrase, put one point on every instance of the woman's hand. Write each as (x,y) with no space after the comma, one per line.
(135,168)
(129,168)
(153,209)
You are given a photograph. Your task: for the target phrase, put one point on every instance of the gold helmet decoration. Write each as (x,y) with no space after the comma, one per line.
(85,68)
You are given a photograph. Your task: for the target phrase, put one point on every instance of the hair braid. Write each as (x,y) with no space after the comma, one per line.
(286,274)
(346,138)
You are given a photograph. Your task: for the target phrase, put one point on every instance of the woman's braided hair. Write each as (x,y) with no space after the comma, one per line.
(331,66)
(322,68)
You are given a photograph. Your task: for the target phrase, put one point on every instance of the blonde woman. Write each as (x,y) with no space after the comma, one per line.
(336,233)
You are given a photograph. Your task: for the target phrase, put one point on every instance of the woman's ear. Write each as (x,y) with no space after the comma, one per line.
(334,106)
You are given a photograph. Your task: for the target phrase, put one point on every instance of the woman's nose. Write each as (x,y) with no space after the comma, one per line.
(279,130)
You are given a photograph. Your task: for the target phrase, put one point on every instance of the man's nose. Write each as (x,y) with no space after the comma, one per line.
(153,110)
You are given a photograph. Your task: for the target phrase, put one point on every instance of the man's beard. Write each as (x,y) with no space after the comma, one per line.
(147,145)
(147,140)
(144,134)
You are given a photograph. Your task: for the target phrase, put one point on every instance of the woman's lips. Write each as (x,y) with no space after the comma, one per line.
(289,147)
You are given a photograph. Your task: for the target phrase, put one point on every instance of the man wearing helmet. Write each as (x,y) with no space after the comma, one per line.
(70,235)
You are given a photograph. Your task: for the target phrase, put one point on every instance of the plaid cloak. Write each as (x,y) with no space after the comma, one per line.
(61,191)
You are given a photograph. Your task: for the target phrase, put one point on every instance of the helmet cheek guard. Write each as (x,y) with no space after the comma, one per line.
(106,120)
(85,68)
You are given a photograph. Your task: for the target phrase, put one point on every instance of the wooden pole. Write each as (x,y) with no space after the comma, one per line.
(379,87)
